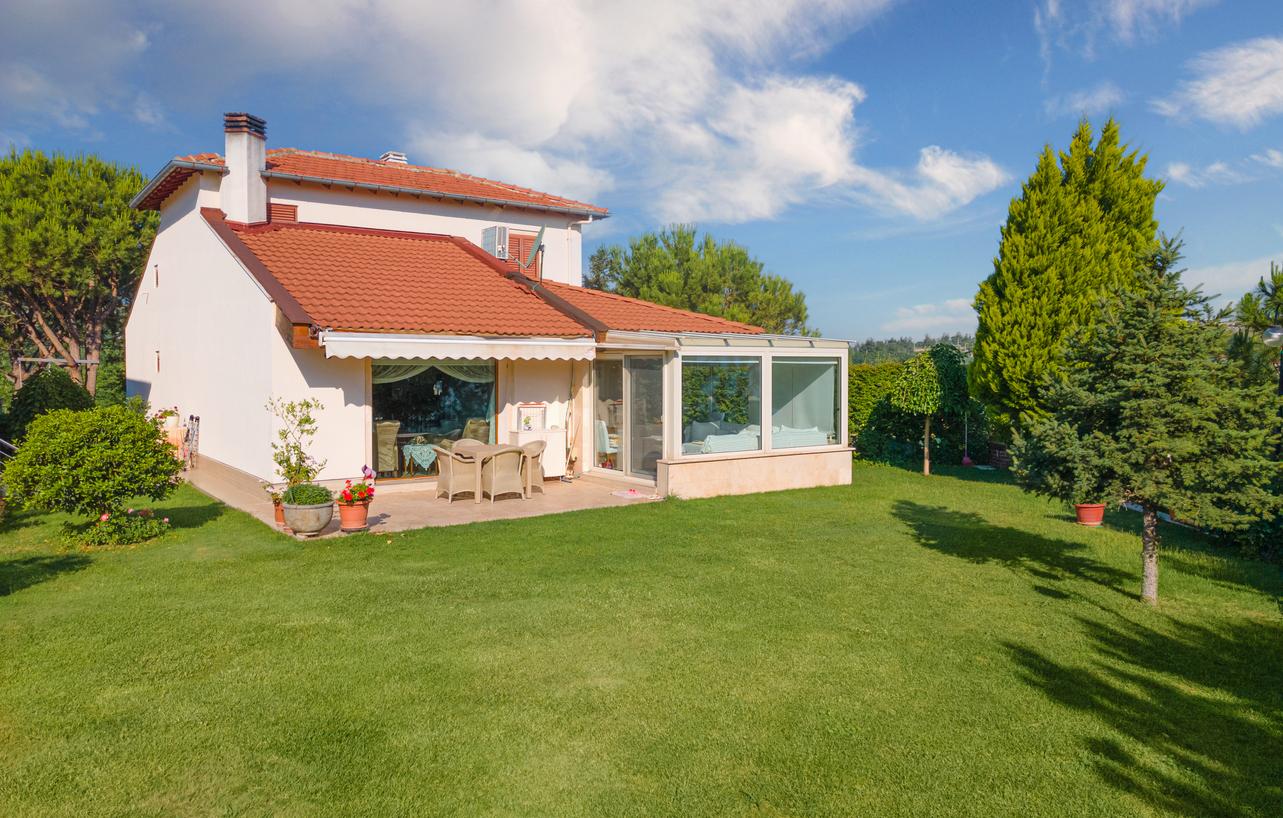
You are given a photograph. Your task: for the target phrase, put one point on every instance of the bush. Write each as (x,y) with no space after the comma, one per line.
(49,389)
(122,529)
(306,494)
(868,385)
(91,462)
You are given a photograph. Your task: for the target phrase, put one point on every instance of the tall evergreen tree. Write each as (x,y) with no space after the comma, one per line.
(1154,412)
(71,251)
(678,268)
(1075,236)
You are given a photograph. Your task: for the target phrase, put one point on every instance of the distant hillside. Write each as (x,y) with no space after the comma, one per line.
(902,349)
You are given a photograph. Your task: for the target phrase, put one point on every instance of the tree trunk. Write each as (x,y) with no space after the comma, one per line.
(1149,556)
(926,447)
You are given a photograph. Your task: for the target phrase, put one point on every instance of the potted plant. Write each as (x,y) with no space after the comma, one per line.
(354,503)
(306,507)
(278,510)
(1090,514)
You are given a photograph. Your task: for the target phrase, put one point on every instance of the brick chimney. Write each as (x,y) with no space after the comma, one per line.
(243,191)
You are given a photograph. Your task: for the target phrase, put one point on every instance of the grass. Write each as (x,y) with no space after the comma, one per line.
(901,647)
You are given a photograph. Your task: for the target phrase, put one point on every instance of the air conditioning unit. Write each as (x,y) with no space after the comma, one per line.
(494,240)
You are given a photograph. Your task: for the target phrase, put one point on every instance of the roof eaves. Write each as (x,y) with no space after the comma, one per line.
(435,194)
(171,166)
(285,301)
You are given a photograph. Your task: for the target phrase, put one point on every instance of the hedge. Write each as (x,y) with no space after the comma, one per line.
(881,432)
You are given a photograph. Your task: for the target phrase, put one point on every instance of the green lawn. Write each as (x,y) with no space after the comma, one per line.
(901,647)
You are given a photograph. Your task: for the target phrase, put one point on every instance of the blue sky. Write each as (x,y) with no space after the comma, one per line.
(866,150)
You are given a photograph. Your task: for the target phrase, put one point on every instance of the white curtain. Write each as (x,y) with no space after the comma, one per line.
(470,371)
(390,373)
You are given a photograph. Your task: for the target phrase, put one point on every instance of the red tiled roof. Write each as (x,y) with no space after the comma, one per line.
(334,167)
(619,312)
(362,280)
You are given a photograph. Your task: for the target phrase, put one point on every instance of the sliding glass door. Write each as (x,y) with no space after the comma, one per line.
(628,417)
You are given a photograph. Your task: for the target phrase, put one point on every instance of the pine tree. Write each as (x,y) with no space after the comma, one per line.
(678,268)
(1155,413)
(1075,235)
(71,252)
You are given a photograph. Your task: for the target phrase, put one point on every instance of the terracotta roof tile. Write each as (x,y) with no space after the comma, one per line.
(341,168)
(620,312)
(363,280)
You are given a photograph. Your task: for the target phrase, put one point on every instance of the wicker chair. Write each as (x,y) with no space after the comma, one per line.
(385,451)
(532,466)
(501,473)
(456,473)
(477,429)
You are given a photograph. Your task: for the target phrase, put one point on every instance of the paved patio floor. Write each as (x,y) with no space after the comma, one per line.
(399,506)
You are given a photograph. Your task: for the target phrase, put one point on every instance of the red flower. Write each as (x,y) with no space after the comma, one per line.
(347,496)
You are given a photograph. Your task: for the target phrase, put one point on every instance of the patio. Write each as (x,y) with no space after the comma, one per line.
(405,505)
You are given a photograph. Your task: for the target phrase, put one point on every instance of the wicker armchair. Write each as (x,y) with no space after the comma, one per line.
(501,473)
(532,466)
(456,473)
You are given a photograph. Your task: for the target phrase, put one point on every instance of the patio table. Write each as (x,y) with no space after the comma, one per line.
(483,453)
(420,454)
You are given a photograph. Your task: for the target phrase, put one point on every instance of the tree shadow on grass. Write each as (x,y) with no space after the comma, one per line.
(969,536)
(23,572)
(1193,715)
(193,516)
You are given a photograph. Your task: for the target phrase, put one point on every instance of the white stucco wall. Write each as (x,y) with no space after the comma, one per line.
(210,324)
(545,382)
(563,249)
(342,387)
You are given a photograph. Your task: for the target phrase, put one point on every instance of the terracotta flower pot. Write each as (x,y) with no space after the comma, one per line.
(1090,514)
(308,521)
(278,512)
(354,516)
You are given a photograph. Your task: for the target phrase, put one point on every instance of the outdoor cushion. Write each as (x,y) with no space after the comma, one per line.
(698,430)
(741,442)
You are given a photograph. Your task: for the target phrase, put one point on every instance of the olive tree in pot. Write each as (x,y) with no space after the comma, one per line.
(308,507)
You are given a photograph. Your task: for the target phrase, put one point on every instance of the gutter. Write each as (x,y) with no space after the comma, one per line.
(419,192)
(170,167)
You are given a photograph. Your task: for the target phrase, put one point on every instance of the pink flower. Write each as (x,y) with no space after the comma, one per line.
(104,518)
(129,511)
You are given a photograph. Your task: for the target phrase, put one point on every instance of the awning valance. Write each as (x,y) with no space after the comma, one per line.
(389,345)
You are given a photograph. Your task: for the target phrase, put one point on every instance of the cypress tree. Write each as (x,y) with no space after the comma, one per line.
(1075,236)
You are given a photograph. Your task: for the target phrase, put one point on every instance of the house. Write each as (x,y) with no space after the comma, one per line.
(404,299)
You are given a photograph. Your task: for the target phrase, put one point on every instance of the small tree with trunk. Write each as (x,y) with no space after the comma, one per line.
(1154,412)
(932,382)
(71,251)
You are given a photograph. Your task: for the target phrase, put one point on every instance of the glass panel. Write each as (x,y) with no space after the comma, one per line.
(721,405)
(804,402)
(608,414)
(418,403)
(645,415)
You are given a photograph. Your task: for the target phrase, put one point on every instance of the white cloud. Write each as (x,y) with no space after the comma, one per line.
(941,182)
(953,315)
(1080,25)
(1214,173)
(1099,99)
(702,110)
(1231,279)
(1239,84)
(1271,157)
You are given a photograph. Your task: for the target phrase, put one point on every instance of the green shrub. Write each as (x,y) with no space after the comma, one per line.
(124,528)
(49,389)
(91,462)
(306,494)
(297,428)
(869,384)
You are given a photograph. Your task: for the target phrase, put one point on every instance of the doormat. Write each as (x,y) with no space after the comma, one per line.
(634,494)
